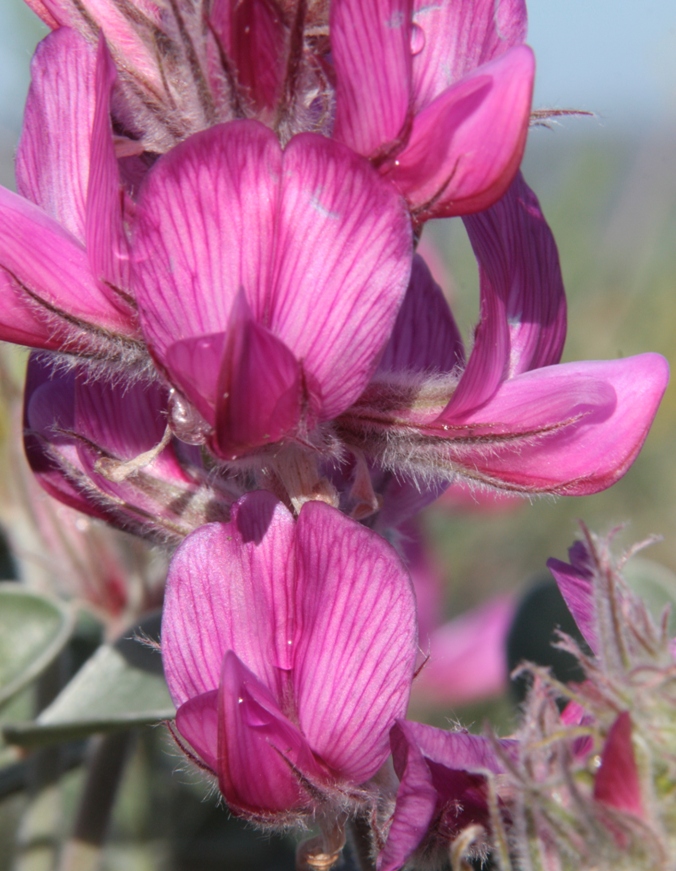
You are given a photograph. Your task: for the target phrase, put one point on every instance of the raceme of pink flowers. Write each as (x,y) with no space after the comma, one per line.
(238,351)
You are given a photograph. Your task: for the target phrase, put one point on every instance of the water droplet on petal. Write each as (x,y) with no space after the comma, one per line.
(417,39)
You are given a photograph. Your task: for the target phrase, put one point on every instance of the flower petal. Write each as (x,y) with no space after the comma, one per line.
(425,337)
(107,245)
(356,641)
(228,588)
(260,389)
(343,263)
(370,47)
(468,660)
(204,230)
(252,35)
(576,587)
(259,747)
(416,801)
(454,37)
(617,781)
(52,266)
(19,321)
(466,146)
(52,161)
(197,722)
(519,261)
(574,428)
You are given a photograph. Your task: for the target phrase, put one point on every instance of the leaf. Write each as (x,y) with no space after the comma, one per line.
(121,686)
(33,631)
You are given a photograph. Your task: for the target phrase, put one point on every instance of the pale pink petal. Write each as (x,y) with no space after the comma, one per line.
(574,428)
(416,801)
(228,588)
(356,640)
(52,161)
(425,337)
(260,390)
(518,260)
(617,782)
(466,146)
(107,245)
(453,37)
(119,25)
(259,747)
(343,251)
(252,35)
(467,657)
(204,230)
(370,48)
(52,266)
(197,722)
(428,584)
(44,11)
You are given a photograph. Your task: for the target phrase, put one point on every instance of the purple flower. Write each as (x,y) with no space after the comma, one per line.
(288,648)
(106,452)
(443,789)
(437,95)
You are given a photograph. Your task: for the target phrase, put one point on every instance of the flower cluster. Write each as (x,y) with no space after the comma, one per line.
(238,351)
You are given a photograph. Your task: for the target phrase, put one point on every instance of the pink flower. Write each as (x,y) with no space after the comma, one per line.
(509,417)
(267,273)
(288,648)
(436,95)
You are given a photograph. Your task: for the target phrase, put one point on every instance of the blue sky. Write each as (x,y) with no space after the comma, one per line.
(601,55)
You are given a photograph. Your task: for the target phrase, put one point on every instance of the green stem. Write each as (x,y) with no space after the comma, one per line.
(104,772)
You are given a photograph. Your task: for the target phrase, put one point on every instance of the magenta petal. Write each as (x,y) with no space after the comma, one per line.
(456,750)
(248,611)
(49,409)
(260,388)
(19,321)
(576,587)
(425,337)
(259,747)
(357,640)
(416,801)
(52,162)
(518,261)
(252,34)
(194,365)
(52,266)
(204,231)
(107,244)
(453,37)
(343,262)
(197,722)
(617,781)
(370,45)
(579,425)
(466,146)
